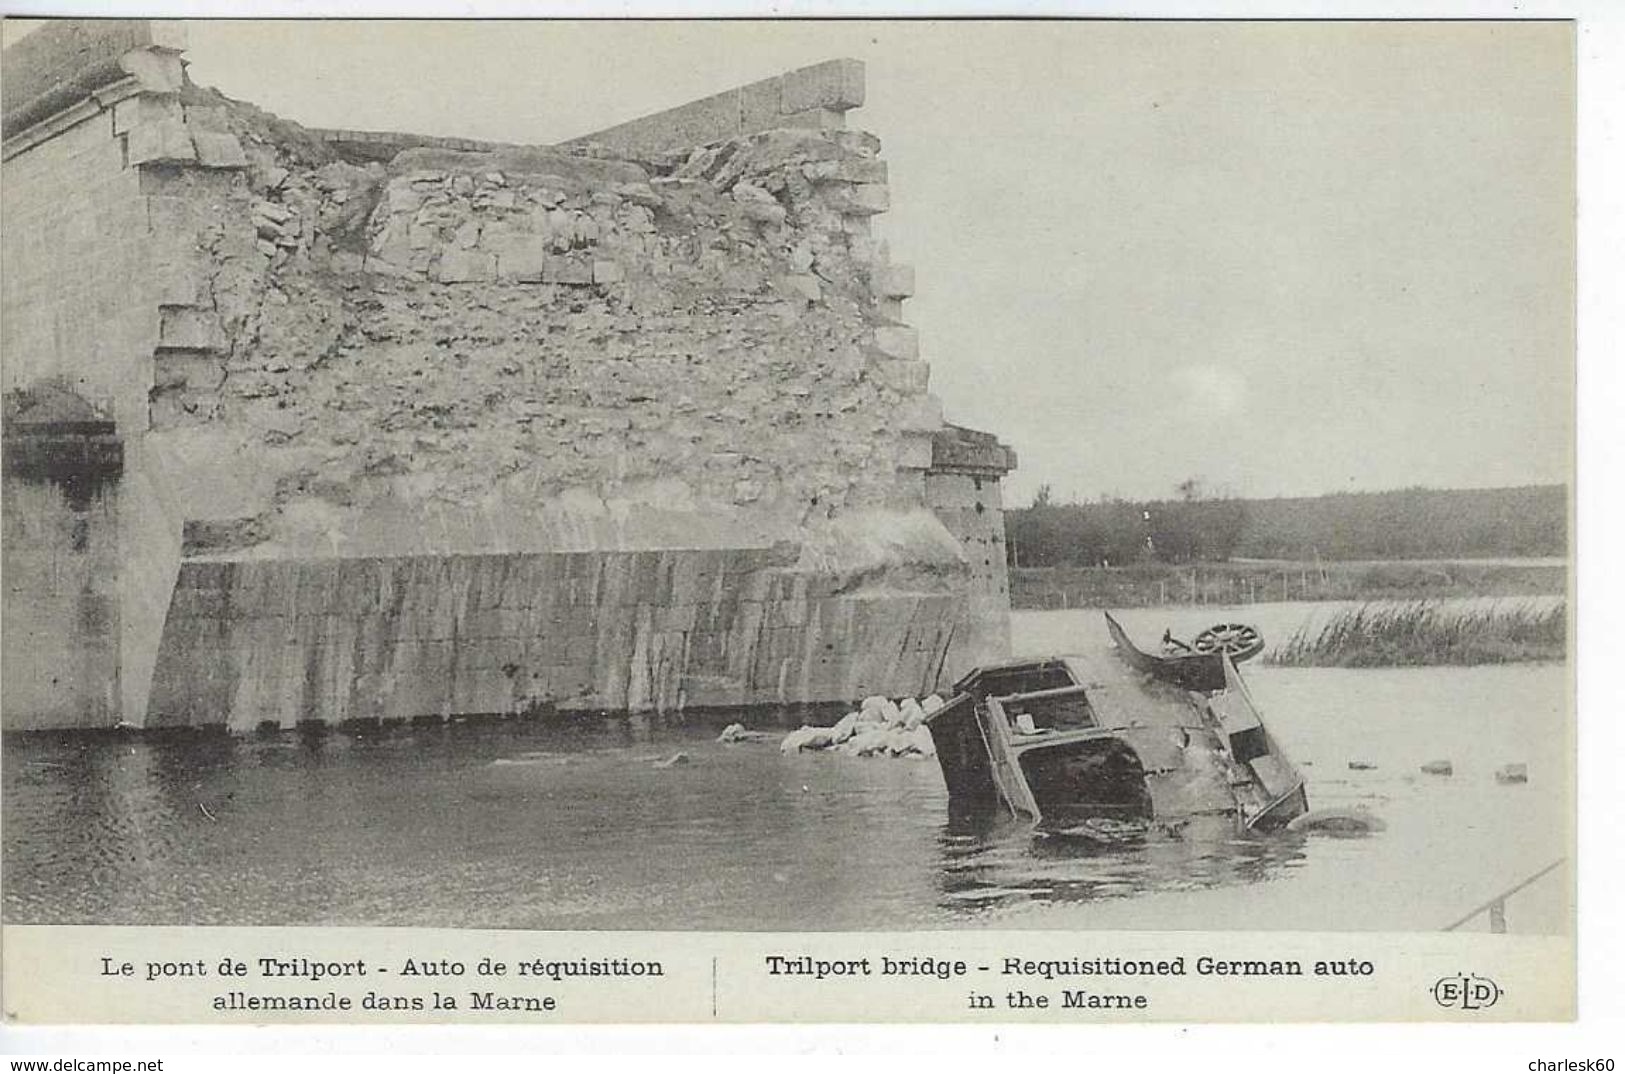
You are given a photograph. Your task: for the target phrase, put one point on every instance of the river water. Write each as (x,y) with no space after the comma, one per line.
(537,826)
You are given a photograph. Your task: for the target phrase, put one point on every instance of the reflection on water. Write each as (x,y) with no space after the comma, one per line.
(573,825)
(988,862)
(527,825)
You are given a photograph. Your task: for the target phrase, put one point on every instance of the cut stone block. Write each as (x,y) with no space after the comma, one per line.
(893,281)
(908,377)
(190,328)
(564,270)
(868,199)
(837,84)
(144,108)
(863,143)
(157,70)
(177,279)
(521,257)
(164,142)
(897,341)
(914,452)
(463,266)
(818,119)
(920,414)
(850,170)
(219,150)
(199,370)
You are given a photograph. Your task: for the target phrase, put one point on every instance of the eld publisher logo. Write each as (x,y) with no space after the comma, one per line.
(1466,992)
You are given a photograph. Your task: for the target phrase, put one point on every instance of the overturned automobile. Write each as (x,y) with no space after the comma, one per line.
(1117,738)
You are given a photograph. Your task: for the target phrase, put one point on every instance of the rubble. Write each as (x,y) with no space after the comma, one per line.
(571,295)
(879,727)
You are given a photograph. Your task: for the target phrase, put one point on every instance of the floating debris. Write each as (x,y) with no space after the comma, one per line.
(1339,822)
(1439,768)
(736,732)
(1103,830)
(674,760)
(1361,766)
(531,759)
(1512,773)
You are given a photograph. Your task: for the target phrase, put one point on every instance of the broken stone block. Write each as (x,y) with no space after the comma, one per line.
(863,143)
(607,272)
(464,266)
(270,210)
(897,341)
(850,170)
(165,142)
(640,194)
(271,178)
(216,150)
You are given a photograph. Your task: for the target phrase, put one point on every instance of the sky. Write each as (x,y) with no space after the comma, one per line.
(1279,258)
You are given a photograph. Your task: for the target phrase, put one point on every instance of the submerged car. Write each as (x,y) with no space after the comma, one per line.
(1117,739)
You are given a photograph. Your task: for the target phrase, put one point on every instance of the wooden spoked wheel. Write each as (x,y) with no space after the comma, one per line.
(1236,640)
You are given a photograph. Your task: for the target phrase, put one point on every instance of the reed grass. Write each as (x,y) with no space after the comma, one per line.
(1422,633)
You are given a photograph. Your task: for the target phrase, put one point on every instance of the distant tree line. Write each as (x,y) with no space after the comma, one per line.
(1402,524)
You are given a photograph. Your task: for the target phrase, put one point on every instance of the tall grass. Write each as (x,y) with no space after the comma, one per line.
(1421,633)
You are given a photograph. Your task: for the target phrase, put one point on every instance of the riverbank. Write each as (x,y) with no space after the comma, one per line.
(1145,585)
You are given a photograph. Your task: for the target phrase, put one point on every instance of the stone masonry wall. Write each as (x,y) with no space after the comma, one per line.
(405,374)
(280,642)
(75,268)
(60,624)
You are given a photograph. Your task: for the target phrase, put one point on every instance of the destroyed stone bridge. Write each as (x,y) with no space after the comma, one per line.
(334,426)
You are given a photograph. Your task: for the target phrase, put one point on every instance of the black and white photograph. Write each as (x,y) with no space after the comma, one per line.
(790,476)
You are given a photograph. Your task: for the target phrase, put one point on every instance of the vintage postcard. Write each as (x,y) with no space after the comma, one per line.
(923,521)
